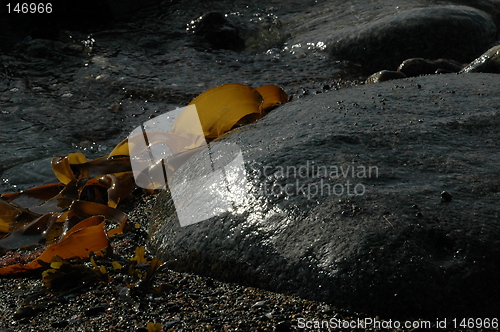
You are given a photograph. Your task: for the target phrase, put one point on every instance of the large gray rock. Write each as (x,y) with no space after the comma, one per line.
(397,246)
(455,32)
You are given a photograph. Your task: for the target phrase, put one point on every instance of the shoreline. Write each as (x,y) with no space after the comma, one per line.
(178,301)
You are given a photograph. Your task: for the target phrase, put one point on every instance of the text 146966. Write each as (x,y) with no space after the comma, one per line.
(29,8)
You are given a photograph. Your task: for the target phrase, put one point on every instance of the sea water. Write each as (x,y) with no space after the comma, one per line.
(86,91)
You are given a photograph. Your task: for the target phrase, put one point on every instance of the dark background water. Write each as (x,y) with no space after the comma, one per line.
(82,77)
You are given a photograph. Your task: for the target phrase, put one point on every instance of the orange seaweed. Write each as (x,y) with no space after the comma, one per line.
(71,216)
(75,244)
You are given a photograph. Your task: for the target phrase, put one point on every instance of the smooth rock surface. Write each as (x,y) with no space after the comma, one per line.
(398,249)
(455,32)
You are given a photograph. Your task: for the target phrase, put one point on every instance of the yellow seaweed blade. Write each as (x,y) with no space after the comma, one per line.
(61,166)
(76,244)
(154,265)
(8,215)
(122,149)
(154,327)
(79,243)
(220,108)
(139,255)
(84,209)
(118,186)
(272,95)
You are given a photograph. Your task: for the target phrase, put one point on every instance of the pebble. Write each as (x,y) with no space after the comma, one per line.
(26,311)
(283,326)
(446,197)
(259,304)
(94,311)
(384,75)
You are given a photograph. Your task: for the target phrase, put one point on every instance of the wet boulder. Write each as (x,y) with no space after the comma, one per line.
(489,62)
(455,32)
(492,7)
(381,198)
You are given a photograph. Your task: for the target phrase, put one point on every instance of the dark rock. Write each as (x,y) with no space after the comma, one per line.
(492,7)
(489,62)
(447,65)
(216,30)
(60,324)
(296,231)
(94,311)
(259,304)
(284,326)
(446,196)
(27,311)
(460,33)
(384,75)
(170,324)
(418,66)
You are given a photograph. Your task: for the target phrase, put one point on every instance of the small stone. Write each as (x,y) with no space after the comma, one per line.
(384,75)
(210,283)
(169,324)
(60,324)
(283,326)
(416,67)
(446,196)
(94,311)
(25,312)
(259,304)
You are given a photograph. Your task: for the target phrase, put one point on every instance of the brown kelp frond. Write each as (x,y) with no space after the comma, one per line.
(221,108)
(77,243)
(272,95)
(76,217)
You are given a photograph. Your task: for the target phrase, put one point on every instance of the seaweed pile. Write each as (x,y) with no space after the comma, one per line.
(76,218)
